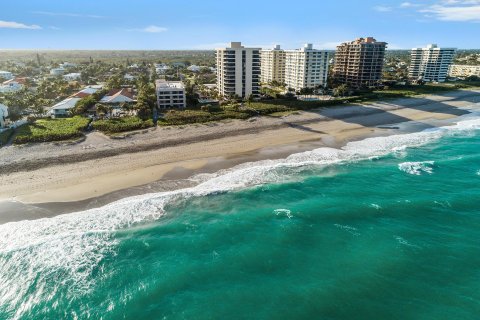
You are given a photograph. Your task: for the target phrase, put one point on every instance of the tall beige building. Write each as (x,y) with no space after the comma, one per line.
(273,65)
(359,63)
(306,68)
(238,71)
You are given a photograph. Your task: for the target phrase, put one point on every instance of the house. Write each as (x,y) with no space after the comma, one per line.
(161,68)
(6,75)
(3,115)
(62,109)
(87,91)
(194,68)
(67,65)
(72,76)
(57,71)
(13,85)
(117,98)
(129,77)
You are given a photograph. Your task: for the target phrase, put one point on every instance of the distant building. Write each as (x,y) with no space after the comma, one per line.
(129,77)
(13,85)
(161,68)
(67,65)
(238,71)
(57,71)
(306,68)
(430,64)
(463,71)
(72,76)
(170,94)
(3,115)
(5,75)
(359,63)
(272,65)
(194,68)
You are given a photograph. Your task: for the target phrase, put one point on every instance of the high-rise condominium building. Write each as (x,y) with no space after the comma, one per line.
(238,70)
(306,68)
(359,63)
(273,65)
(430,64)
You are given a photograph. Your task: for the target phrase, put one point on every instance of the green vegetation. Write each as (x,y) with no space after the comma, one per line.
(5,136)
(47,130)
(122,124)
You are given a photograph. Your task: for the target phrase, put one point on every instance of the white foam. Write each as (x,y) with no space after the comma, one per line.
(417,168)
(69,247)
(285,212)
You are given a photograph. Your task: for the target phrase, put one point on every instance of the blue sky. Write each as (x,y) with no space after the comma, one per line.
(206,24)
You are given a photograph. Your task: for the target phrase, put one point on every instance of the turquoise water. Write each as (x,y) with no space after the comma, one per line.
(388,228)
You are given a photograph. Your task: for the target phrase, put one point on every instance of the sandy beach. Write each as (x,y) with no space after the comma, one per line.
(164,158)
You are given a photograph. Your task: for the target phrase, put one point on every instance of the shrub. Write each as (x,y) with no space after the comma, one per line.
(47,130)
(122,124)
(5,136)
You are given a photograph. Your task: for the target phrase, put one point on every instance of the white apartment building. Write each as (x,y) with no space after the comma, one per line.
(463,71)
(238,70)
(5,75)
(272,65)
(306,68)
(430,64)
(170,94)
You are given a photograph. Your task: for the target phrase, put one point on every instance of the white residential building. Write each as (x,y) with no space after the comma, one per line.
(57,71)
(272,65)
(5,75)
(67,65)
(72,76)
(161,68)
(3,115)
(62,109)
(430,64)
(13,85)
(306,67)
(170,94)
(463,71)
(238,71)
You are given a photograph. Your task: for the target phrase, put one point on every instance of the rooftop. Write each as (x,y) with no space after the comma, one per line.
(163,84)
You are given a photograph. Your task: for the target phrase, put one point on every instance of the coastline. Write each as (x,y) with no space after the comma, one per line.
(169,156)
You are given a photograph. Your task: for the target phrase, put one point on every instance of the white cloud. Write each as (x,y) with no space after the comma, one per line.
(67,14)
(154,29)
(455,10)
(18,25)
(382,8)
(409,5)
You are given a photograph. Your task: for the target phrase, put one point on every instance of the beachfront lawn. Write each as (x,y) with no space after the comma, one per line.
(46,130)
(122,124)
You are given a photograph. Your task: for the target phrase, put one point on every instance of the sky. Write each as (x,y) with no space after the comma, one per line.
(208,24)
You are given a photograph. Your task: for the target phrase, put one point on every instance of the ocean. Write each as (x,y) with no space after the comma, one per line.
(384,228)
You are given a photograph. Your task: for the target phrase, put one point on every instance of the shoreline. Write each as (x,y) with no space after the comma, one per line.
(75,186)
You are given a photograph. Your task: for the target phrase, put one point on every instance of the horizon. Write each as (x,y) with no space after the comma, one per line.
(160,25)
